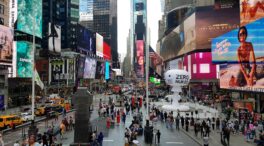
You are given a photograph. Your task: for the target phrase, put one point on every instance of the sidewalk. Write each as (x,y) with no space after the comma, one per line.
(214,139)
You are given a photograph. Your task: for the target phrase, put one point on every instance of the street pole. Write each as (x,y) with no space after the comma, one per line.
(147,60)
(33,73)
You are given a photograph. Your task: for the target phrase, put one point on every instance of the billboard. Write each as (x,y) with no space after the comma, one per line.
(107,51)
(85,40)
(232,77)
(99,45)
(81,62)
(107,70)
(29,12)
(251,10)
(57,71)
(100,70)
(2,102)
(12,13)
(6,44)
(226,48)
(180,40)
(89,68)
(71,70)
(86,10)
(140,58)
(212,22)
(54,38)
(24,59)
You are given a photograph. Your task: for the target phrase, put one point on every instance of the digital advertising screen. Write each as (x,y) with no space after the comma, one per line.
(107,70)
(107,51)
(81,61)
(251,10)
(140,58)
(28,12)
(2,102)
(212,22)
(232,77)
(54,38)
(89,68)
(99,45)
(86,10)
(85,40)
(226,48)
(24,59)
(6,44)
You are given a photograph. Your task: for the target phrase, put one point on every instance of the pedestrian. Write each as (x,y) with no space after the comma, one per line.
(187,124)
(1,140)
(177,121)
(196,129)
(165,116)
(158,136)
(206,140)
(100,139)
(44,139)
(218,124)
(213,123)
(16,143)
(62,129)
(94,142)
(71,123)
(32,141)
(182,121)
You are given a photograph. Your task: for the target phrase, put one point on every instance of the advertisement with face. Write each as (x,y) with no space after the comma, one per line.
(24,59)
(240,45)
(140,58)
(29,12)
(251,10)
(57,71)
(232,77)
(89,68)
(100,69)
(81,62)
(6,47)
(54,38)
(99,45)
(107,70)
(85,40)
(211,22)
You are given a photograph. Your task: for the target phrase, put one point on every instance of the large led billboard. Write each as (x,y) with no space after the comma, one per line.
(89,68)
(107,51)
(6,44)
(107,70)
(100,70)
(251,10)
(85,40)
(232,77)
(140,58)
(212,22)
(86,10)
(54,38)
(226,48)
(24,59)
(99,45)
(57,71)
(29,12)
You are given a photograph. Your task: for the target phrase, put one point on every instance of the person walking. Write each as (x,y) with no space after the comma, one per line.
(44,139)
(213,123)
(206,140)
(177,121)
(158,136)
(218,124)
(100,139)
(182,122)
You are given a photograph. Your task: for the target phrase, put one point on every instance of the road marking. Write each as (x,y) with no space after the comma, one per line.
(174,142)
(108,140)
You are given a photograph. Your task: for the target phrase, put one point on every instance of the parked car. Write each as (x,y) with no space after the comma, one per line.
(26,116)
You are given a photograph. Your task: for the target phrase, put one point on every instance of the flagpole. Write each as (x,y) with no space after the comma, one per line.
(147,61)
(33,73)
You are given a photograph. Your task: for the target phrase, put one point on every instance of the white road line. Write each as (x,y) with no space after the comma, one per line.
(108,140)
(174,142)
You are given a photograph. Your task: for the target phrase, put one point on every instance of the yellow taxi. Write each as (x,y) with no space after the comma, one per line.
(6,120)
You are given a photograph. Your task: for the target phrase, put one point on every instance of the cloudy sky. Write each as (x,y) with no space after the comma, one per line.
(154,14)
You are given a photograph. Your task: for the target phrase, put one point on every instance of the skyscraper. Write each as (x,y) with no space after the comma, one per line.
(105,23)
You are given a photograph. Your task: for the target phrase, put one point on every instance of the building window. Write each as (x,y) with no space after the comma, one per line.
(1,21)
(2,9)
(204,68)
(194,69)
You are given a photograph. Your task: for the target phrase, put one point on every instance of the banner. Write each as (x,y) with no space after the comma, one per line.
(54,38)
(38,80)
(24,59)
(99,45)
(6,44)
(140,58)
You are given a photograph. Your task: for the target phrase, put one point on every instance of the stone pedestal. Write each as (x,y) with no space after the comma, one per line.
(83,100)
